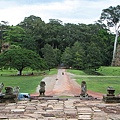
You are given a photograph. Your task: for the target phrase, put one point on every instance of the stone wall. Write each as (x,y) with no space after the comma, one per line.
(117,58)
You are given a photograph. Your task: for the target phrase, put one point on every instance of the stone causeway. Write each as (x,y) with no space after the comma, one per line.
(60,109)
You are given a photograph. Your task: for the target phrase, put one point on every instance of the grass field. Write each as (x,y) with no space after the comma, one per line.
(110,76)
(109,71)
(26,83)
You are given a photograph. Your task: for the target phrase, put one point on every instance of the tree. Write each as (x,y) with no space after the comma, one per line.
(20,59)
(3,27)
(112,16)
(15,35)
(35,32)
(57,54)
(67,57)
(78,56)
(49,56)
(93,57)
(54,33)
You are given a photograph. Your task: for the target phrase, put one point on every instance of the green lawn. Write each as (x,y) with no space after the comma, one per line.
(110,76)
(100,84)
(27,84)
(52,72)
(76,72)
(110,71)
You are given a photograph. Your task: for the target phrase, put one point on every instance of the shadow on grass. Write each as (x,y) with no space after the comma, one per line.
(92,72)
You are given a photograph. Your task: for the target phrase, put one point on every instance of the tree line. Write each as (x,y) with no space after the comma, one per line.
(79,46)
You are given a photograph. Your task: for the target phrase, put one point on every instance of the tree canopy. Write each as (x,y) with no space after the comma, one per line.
(79,46)
(20,59)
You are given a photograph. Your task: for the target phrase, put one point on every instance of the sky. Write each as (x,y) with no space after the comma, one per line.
(68,11)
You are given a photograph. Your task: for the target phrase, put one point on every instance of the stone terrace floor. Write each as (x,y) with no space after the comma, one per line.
(60,109)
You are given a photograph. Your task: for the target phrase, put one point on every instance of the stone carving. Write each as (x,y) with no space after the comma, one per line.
(10,95)
(1,87)
(12,90)
(84,95)
(83,89)
(110,91)
(9,90)
(42,88)
(16,90)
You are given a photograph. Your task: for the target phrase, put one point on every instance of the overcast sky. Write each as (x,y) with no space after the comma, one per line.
(68,11)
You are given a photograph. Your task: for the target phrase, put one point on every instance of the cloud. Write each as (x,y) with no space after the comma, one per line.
(69,11)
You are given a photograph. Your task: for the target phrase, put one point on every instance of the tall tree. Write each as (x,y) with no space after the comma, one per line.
(93,57)
(49,56)
(54,33)
(112,16)
(67,58)
(35,29)
(78,55)
(57,54)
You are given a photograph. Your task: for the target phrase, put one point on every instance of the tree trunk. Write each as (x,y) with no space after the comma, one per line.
(19,72)
(114,51)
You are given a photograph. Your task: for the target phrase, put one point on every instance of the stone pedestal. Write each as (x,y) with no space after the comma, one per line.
(111,99)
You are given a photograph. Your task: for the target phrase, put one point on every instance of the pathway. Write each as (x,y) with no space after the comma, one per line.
(64,85)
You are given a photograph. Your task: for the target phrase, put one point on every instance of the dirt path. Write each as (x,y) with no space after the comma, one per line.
(63,85)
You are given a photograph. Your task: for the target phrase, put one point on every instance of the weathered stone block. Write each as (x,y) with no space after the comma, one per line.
(111,99)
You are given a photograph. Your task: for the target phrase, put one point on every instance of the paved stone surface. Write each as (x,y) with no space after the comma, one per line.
(71,109)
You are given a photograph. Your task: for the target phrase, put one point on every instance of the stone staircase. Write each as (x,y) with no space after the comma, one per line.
(60,109)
